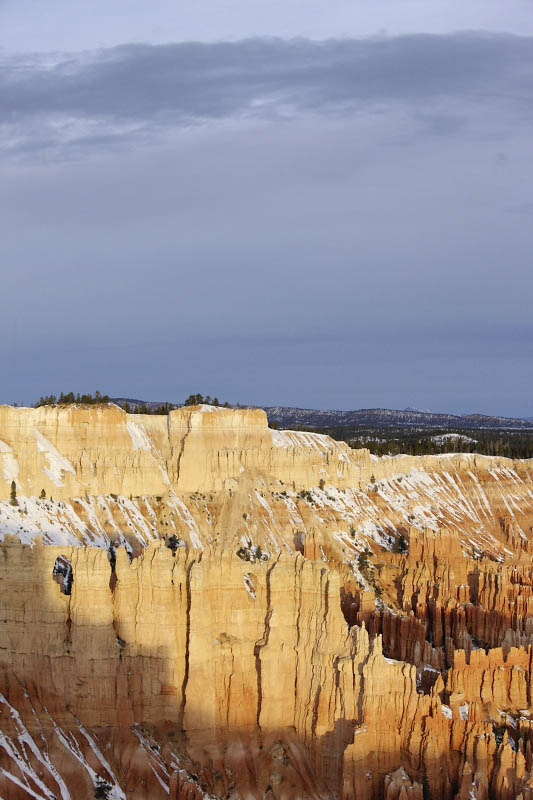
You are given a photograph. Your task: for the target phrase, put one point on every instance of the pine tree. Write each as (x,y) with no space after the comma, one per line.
(14,501)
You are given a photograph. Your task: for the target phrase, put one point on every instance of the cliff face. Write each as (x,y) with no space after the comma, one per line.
(367,638)
(171,667)
(222,476)
(69,451)
(73,451)
(196,643)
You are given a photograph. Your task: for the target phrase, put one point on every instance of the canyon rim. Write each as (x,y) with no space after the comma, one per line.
(198,606)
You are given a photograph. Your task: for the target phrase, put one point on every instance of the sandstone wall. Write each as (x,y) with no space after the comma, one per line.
(73,451)
(199,636)
(200,674)
(70,451)
(205,660)
(209,645)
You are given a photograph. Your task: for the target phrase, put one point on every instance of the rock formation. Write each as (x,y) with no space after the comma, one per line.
(208,608)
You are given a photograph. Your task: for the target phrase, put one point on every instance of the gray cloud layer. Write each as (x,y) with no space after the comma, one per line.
(140,90)
(342,224)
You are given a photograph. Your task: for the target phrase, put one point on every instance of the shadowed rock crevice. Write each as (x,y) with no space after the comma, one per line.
(263,642)
(62,573)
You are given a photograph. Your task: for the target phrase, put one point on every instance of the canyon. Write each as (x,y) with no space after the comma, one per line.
(199,606)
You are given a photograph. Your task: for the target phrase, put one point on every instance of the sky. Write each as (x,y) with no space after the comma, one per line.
(278,203)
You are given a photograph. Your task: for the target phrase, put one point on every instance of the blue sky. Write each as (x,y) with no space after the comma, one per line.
(277,203)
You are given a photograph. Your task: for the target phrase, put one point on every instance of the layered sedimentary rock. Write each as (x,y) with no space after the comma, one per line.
(209,608)
(69,450)
(97,450)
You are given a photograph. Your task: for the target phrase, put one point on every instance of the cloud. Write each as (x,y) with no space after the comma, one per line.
(140,92)
(271,221)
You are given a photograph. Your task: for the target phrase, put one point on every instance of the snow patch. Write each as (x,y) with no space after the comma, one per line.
(139,439)
(10,465)
(57,464)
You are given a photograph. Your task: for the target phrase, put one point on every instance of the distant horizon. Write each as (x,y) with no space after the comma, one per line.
(412,409)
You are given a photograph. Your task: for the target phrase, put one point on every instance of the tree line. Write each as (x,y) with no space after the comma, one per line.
(418,442)
(165,408)
(69,398)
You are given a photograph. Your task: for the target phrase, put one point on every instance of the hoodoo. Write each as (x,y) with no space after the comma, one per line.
(198,606)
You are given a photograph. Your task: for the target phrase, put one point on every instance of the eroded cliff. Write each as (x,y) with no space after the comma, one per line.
(208,607)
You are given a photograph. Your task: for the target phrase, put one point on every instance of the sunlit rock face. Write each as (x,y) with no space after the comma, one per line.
(71,450)
(200,606)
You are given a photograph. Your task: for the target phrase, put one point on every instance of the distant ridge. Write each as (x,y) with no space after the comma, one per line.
(133,403)
(385,418)
(288,416)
